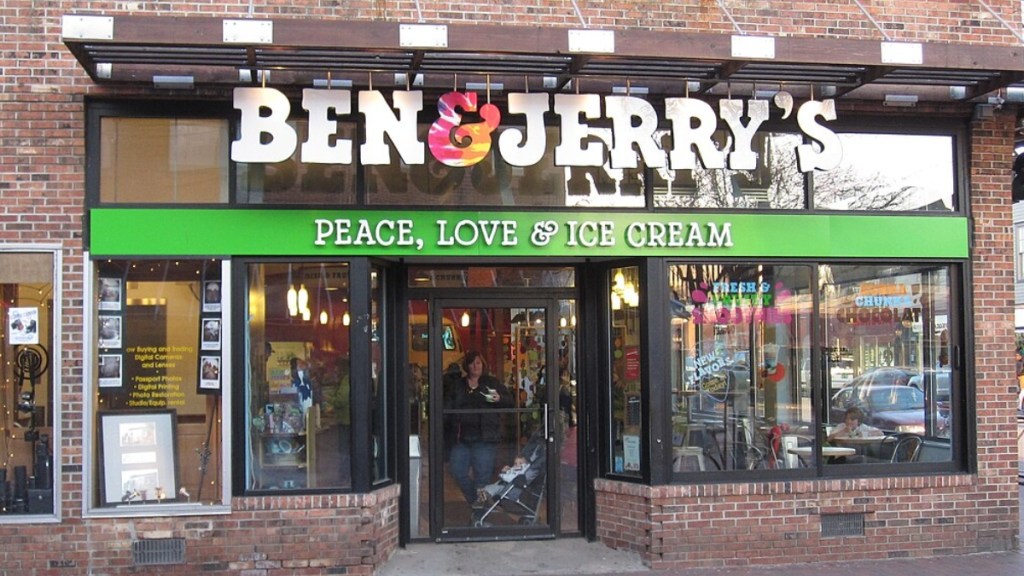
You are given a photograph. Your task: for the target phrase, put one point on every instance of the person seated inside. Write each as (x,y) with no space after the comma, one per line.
(852,427)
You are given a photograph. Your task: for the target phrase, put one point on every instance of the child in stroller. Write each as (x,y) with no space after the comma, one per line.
(520,486)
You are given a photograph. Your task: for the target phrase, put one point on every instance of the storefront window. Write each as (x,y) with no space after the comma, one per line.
(626,352)
(379,400)
(295,182)
(160,357)
(163,160)
(298,389)
(889,172)
(494,182)
(887,350)
(27,402)
(741,386)
(776,183)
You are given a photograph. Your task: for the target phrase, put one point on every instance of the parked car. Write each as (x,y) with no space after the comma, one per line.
(890,407)
(941,379)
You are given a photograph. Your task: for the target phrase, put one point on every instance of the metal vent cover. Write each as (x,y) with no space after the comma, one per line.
(158,551)
(839,525)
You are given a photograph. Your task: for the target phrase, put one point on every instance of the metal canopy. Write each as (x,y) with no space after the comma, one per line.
(198,51)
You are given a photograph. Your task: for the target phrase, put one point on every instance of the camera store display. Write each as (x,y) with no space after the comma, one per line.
(29,489)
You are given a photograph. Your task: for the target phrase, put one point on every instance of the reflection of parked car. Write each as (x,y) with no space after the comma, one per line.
(891,407)
(941,378)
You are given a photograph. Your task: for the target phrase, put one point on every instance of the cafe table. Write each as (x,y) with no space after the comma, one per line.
(863,444)
(826,451)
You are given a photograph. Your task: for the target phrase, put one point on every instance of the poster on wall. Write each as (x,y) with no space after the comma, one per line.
(24,326)
(211,296)
(211,334)
(138,454)
(209,377)
(110,371)
(110,332)
(110,294)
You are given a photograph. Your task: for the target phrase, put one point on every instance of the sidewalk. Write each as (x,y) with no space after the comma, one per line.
(576,557)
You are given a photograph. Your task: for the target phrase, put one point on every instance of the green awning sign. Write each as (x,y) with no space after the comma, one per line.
(187,232)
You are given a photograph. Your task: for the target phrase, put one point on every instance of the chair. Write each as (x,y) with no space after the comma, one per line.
(907,448)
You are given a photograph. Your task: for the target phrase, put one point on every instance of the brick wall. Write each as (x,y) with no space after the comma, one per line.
(42,176)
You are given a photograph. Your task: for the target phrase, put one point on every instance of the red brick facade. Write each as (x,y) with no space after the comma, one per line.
(42,181)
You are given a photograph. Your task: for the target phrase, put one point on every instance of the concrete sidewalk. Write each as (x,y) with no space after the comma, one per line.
(576,557)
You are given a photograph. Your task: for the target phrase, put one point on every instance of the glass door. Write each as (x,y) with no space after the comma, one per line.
(498,430)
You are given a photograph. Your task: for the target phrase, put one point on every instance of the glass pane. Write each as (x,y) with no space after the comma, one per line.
(776,183)
(379,396)
(27,368)
(492,277)
(164,160)
(568,404)
(298,386)
(494,182)
(495,439)
(418,396)
(159,348)
(887,172)
(627,424)
(295,182)
(888,374)
(740,367)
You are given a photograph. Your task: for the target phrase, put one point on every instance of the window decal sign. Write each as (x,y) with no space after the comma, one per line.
(456,140)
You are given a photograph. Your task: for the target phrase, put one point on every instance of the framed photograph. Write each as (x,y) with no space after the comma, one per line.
(138,450)
(109,369)
(110,332)
(211,334)
(211,296)
(209,374)
(110,294)
(24,326)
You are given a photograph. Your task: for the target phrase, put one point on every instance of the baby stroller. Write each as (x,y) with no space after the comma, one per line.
(520,494)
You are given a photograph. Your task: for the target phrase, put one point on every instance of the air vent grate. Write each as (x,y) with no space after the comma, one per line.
(839,525)
(158,551)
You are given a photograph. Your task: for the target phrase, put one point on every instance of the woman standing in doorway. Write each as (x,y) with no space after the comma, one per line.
(478,432)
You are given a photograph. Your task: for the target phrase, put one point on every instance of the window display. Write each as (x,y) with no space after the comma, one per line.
(157,372)
(26,385)
(298,435)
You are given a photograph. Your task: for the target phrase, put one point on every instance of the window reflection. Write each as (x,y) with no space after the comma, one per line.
(887,344)
(298,390)
(776,183)
(887,172)
(627,416)
(740,358)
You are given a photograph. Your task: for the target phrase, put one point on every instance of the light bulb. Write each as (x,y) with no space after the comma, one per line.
(345,320)
(323,316)
(303,299)
(465,319)
(293,301)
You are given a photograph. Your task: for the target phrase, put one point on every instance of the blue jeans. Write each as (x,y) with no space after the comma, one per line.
(478,456)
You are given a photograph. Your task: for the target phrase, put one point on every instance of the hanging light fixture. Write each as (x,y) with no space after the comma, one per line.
(345,319)
(303,301)
(323,317)
(293,297)
(465,318)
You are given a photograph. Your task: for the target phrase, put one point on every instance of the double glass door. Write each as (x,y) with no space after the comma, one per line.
(497,418)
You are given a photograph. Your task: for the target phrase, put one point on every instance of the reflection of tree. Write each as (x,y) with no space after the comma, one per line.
(777,183)
(846,188)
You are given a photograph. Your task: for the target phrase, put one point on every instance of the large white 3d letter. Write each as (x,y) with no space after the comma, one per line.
(831,153)
(742,156)
(571,151)
(317,147)
(249,146)
(510,143)
(380,119)
(622,110)
(683,112)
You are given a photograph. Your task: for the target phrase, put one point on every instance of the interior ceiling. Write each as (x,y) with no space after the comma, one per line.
(133,50)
